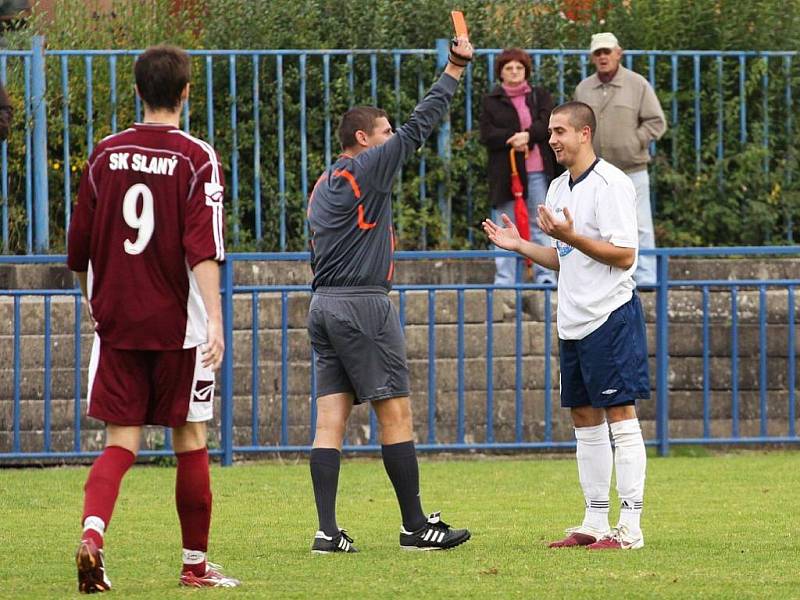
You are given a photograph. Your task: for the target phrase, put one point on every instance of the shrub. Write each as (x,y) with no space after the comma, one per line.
(749,195)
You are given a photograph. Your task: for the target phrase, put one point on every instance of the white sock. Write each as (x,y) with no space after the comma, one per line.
(193,557)
(95,523)
(594,471)
(630,460)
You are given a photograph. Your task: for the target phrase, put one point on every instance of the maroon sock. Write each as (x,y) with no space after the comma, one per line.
(193,500)
(102,487)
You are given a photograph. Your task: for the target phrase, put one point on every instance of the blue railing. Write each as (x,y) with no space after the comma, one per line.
(241,96)
(272,418)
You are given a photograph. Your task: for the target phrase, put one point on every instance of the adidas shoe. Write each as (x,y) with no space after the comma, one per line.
(620,538)
(92,576)
(579,536)
(324,544)
(434,535)
(214,577)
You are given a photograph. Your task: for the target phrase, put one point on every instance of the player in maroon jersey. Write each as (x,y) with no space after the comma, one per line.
(145,242)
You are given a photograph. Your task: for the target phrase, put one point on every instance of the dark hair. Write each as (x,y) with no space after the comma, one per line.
(580,115)
(509,54)
(161,74)
(358,118)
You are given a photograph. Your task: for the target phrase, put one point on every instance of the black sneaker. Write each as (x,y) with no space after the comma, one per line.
(324,544)
(434,535)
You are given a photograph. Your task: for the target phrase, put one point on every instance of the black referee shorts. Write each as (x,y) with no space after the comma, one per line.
(359,344)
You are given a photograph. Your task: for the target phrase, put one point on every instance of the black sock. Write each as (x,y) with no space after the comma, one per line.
(401,465)
(325,477)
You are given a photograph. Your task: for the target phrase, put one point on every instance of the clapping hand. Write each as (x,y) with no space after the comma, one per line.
(506,237)
(560,229)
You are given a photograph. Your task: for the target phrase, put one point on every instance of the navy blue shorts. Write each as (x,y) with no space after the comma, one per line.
(609,366)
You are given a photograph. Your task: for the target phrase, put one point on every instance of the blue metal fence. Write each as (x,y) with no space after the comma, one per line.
(243,431)
(722,99)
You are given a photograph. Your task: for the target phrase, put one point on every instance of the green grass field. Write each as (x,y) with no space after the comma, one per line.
(717,526)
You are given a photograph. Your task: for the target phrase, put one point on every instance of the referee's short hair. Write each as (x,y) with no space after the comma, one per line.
(358,118)
(580,115)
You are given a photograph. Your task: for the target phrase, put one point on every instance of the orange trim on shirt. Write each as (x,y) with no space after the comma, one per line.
(311,196)
(362,224)
(350,179)
(391,264)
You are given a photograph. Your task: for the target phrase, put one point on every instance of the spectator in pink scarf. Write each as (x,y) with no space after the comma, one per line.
(516,115)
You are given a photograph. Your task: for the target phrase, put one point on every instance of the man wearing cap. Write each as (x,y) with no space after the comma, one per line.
(629,117)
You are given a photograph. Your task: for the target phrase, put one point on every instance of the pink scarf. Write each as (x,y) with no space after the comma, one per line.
(517,95)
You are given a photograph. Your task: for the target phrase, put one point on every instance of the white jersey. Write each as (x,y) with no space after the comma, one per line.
(602,203)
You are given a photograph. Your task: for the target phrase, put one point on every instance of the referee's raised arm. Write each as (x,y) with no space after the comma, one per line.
(385,161)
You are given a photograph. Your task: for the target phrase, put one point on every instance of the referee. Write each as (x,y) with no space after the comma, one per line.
(590,212)
(354,327)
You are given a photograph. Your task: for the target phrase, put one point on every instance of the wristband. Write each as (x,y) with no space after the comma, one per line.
(454,58)
(456,62)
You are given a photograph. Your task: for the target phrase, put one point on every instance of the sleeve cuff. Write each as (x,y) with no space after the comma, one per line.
(448,82)
(643,139)
(623,243)
(77,265)
(193,261)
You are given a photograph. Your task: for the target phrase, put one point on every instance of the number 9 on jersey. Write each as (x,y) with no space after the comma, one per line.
(144,222)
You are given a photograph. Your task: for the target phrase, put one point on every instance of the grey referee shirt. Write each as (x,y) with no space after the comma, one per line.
(350,209)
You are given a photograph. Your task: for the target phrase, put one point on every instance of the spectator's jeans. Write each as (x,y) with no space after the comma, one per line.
(646,269)
(506,266)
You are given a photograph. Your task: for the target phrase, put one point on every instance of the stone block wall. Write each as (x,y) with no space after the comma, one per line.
(264,426)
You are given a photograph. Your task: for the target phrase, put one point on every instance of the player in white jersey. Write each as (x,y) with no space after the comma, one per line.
(590,213)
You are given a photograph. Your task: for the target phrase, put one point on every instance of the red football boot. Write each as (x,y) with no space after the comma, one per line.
(620,538)
(214,577)
(92,576)
(579,536)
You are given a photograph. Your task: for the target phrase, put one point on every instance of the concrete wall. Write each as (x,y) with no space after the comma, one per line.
(685,347)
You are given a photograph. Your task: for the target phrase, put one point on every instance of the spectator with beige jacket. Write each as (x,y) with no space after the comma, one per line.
(629,117)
